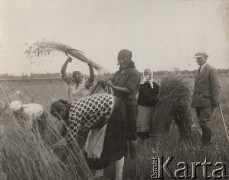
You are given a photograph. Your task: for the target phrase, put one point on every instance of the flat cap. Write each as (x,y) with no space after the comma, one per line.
(201,54)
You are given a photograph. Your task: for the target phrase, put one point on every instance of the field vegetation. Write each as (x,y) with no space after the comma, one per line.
(26,155)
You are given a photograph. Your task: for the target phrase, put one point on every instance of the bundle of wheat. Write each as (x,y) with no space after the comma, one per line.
(173,104)
(46,48)
(26,156)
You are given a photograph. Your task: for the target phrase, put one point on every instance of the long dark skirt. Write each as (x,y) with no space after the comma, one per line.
(115,142)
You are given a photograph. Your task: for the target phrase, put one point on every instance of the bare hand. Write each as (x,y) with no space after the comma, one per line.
(89,65)
(213,111)
(69,59)
(213,115)
(109,83)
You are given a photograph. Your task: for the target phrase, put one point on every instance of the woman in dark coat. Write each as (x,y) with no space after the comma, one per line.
(147,98)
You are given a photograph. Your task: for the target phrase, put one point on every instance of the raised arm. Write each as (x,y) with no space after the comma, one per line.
(92,74)
(64,67)
(91,79)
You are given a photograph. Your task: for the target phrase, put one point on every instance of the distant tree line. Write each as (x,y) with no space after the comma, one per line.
(188,73)
(32,76)
(223,72)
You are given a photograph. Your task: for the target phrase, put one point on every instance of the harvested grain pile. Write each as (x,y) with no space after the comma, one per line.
(26,156)
(173,104)
(47,48)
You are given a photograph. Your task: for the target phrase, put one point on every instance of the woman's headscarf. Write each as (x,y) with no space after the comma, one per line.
(15,105)
(148,72)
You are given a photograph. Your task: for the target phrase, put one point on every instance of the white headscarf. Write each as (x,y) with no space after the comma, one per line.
(146,73)
(15,105)
(31,111)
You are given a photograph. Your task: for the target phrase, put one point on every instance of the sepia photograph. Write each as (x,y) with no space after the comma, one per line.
(114,89)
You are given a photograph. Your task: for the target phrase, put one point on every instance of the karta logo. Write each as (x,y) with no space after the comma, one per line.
(162,168)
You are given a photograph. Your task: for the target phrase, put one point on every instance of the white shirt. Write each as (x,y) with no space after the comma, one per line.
(202,67)
(77,91)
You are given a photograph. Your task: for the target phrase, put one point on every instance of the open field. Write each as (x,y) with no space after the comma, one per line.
(45,92)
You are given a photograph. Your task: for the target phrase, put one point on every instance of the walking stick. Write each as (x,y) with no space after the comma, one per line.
(225,126)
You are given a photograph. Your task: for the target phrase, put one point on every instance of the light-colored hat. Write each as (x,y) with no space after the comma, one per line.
(15,105)
(201,54)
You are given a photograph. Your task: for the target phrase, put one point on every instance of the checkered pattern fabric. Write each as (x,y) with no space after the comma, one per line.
(89,113)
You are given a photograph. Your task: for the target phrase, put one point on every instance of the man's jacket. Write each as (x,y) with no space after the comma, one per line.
(207,88)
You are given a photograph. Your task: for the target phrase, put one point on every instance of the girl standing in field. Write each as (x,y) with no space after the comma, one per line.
(78,87)
(147,98)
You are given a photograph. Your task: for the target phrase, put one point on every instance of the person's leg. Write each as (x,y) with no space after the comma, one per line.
(204,121)
(132,129)
(133,147)
(198,112)
(119,168)
(142,137)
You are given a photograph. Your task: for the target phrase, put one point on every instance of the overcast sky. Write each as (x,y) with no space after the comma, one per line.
(161,34)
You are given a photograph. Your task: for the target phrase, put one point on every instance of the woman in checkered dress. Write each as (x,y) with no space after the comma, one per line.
(94,112)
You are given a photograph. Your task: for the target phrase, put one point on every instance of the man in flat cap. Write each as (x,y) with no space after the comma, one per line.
(125,83)
(206,95)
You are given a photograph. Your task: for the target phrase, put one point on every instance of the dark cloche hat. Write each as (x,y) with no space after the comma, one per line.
(125,53)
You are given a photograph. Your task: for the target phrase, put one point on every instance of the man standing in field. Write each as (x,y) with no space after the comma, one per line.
(125,83)
(206,95)
(78,87)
